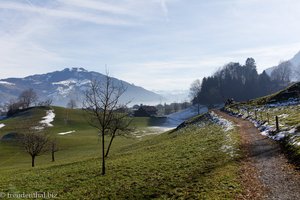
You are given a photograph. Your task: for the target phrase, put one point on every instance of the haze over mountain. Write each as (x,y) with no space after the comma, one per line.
(61,86)
(295,67)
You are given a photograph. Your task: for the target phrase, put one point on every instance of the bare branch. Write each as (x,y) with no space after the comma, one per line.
(102,103)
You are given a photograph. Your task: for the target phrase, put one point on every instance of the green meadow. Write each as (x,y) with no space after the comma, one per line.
(188,163)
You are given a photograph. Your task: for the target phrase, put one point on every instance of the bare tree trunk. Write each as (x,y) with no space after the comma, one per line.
(32,161)
(103,154)
(198,108)
(53,159)
(108,148)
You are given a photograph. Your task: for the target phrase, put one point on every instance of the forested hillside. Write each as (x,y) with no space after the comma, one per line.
(240,82)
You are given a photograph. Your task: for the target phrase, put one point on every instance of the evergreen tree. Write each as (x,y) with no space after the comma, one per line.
(240,82)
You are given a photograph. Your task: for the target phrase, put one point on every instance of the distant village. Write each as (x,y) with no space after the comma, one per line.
(159,110)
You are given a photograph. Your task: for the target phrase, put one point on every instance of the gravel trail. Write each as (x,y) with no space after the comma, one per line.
(265,172)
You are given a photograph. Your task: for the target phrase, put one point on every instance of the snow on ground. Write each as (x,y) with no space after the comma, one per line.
(289,102)
(65,133)
(151,130)
(46,122)
(69,82)
(174,119)
(227,125)
(48,118)
(65,82)
(2,125)
(64,91)
(6,83)
(160,128)
(147,132)
(269,130)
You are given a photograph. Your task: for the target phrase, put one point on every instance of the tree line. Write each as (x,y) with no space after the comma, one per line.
(239,82)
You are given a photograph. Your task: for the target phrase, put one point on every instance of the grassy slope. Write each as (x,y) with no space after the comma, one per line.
(73,147)
(188,163)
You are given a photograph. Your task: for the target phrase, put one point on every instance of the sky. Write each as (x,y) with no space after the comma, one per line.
(156,44)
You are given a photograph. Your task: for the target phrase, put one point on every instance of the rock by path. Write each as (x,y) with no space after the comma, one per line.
(265,172)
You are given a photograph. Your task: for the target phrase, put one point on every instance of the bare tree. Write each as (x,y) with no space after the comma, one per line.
(282,72)
(102,100)
(13,106)
(72,104)
(195,90)
(53,148)
(28,97)
(33,140)
(47,102)
(119,125)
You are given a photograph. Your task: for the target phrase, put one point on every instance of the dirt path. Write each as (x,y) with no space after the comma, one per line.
(265,172)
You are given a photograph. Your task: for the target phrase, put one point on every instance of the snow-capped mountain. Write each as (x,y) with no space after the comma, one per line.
(295,61)
(61,86)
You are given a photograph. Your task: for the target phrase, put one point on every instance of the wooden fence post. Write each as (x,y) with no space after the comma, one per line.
(277,124)
(268,118)
(255,113)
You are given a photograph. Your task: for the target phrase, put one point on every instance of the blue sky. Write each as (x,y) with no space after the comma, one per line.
(157,44)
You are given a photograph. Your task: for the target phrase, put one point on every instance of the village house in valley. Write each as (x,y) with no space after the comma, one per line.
(145,111)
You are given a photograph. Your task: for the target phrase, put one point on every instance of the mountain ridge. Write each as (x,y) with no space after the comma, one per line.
(69,83)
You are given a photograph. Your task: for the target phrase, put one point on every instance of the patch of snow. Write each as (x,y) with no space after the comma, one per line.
(269,130)
(83,82)
(65,82)
(289,102)
(69,82)
(279,136)
(264,133)
(151,130)
(2,125)
(65,133)
(50,115)
(227,125)
(148,131)
(174,119)
(64,91)
(160,129)
(6,83)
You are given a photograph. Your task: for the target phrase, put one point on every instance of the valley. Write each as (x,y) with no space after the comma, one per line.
(149,99)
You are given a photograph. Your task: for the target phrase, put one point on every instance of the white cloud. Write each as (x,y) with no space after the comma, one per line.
(164,8)
(75,15)
(267,56)
(158,44)
(99,6)
(178,74)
